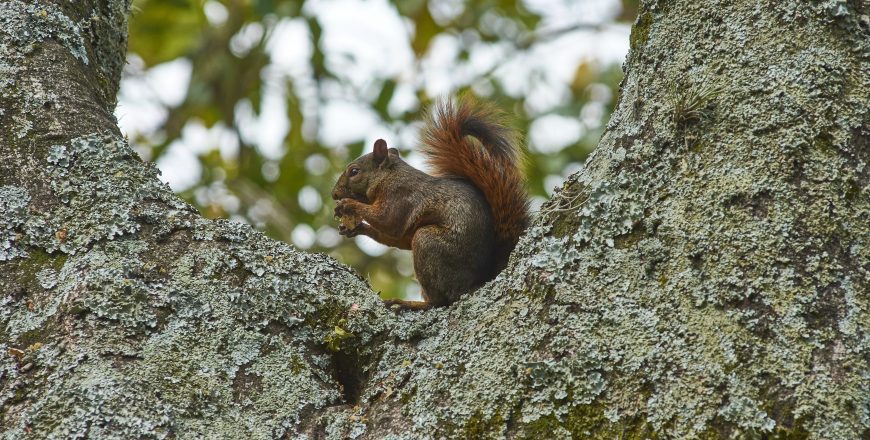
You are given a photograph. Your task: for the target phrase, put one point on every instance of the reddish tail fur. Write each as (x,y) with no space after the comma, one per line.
(471,140)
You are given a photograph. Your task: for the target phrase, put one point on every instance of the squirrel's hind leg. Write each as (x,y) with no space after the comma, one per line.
(445,268)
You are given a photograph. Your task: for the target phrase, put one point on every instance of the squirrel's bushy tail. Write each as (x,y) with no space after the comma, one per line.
(492,163)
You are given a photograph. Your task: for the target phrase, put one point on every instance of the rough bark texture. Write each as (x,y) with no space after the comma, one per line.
(706,275)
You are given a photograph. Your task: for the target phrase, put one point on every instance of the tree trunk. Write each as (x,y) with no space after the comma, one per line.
(706,275)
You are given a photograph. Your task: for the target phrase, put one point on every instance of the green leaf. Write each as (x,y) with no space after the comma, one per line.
(425,30)
(384,97)
(165,30)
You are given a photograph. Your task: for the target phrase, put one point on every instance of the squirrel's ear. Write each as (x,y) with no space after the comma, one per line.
(393,152)
(380,150)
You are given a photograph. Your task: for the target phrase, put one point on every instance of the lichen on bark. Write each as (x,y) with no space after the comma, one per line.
(704,276)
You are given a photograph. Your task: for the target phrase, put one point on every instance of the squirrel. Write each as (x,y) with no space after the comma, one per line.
(462,221)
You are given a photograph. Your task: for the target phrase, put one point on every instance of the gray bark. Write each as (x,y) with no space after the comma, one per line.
(705,275)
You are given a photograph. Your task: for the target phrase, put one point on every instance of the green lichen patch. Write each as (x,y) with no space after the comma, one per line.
(13,208)
(589,421)
(25,25)
(640,31)
(479,427)
(113,202)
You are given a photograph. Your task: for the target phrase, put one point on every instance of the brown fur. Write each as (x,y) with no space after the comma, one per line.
(461,222)
(470,140)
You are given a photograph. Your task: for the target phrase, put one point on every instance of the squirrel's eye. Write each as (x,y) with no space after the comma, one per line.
(353,172)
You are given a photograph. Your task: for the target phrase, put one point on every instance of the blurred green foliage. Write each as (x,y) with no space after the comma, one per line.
(227,44)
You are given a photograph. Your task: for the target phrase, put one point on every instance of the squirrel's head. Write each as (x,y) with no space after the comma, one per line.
(364,173)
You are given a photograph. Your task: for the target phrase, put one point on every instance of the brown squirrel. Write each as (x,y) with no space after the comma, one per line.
(461,222)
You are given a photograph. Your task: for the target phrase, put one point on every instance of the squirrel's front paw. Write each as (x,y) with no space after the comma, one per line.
(348,229)
(349,225)
(345,207)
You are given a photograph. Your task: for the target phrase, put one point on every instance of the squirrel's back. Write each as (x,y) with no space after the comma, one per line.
(471,140)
